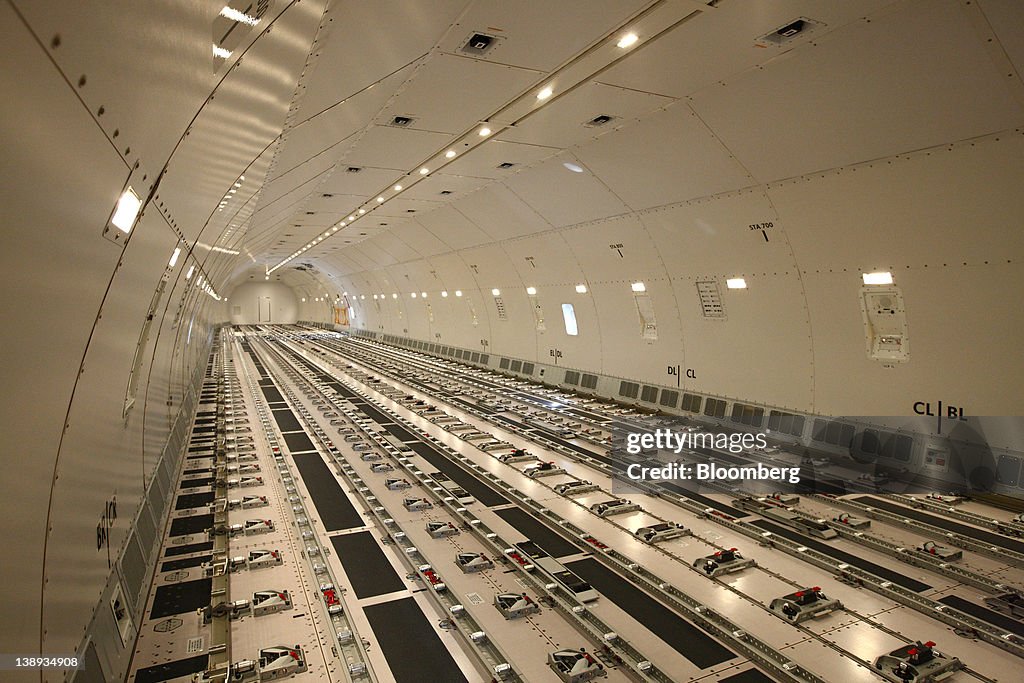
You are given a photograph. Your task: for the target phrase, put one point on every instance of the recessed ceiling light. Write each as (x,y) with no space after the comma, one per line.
(394,296)
(351,218)
(218,51)
(496,292)
(127,210)
(424,171)
(880,278)
(736,283)
(444,294)
(458,292)
(423,294)
(449,154)
(380,200)
(575,168)
(531,291)
(413,295)
(485,131)
(545,93)
(191,270)
(581,289)
(362,211)
(627,40)
(398,188)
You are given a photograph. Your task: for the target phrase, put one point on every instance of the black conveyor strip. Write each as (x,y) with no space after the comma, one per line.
(286,420)
(985,614)
(410,644)
(375,415)
(182,597)
(185,563)
(366,565)
(298,442)
(835,553)
(335,510)
(188,549)
(479,490)
(272,394)
(748,676)
(195,483)
(400,432)
(171,670)
(943,523)
(193,524)
(550,542)
(682,636)
(187,501)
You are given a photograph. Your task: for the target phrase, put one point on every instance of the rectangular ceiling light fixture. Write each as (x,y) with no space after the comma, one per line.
(127,211)
(736,283)
(881,278)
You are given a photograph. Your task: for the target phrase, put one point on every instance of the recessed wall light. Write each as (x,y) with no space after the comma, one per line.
(127,210)
(880,278)
(627,40)
(736,283)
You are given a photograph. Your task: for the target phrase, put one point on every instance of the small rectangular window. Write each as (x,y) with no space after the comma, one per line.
(569,316)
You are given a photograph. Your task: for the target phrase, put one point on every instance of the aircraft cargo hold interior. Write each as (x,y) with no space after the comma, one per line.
(473,341)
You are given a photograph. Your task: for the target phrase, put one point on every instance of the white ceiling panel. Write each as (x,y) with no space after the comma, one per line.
(863,92)
(668,157)
(334,131)
(579,196)
(501,214)
(723,42)
(482,161)
(369,40)
(1006,17)
(402,149)
(422,240)
(431,187)
(438,100)
(396,246)
(402,207)
(346,185)
(453,228)
(539,40)
(305,176)
(563,122)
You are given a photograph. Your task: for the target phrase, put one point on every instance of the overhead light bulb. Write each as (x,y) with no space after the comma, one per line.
(458,292)
(423,294)
(127,210)
(380,199)
(532,291)
(413,295)
(398,188)
(362,211)
(736,283)
(394,296)
(485,131)
(424,171)
(444,294)
(627,40)
(450,154)
(545,93)
(638,287)
(880,278)
(581,289)
(496,292)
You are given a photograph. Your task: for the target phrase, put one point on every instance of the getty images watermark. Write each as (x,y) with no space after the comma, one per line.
(668,441)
